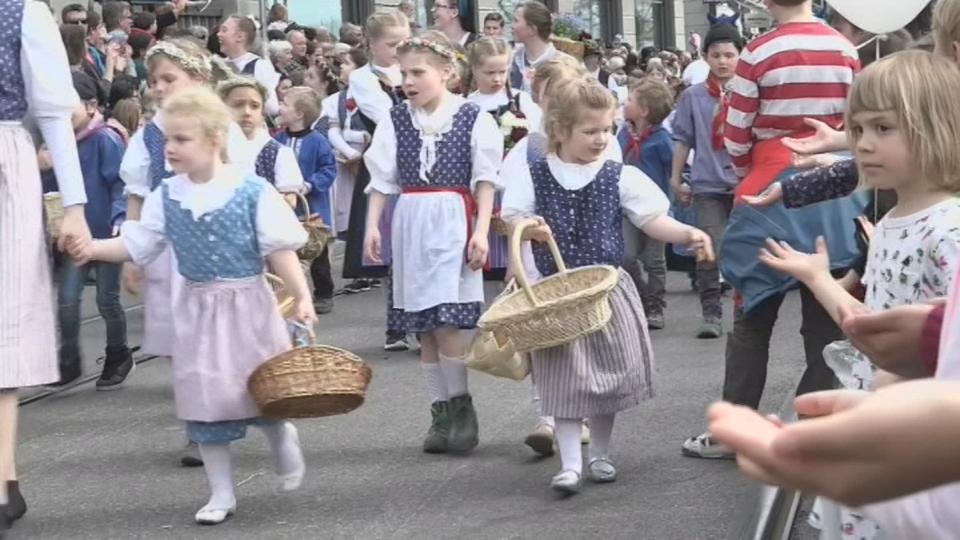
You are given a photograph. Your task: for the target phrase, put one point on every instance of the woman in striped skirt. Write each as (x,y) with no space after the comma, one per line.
(578,197)
(34,74)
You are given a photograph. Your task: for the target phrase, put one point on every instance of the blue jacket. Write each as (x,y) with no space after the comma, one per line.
(318,166)
(749,228)
(101,152)
(656,156)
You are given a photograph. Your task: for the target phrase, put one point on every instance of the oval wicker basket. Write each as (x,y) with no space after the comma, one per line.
(285,300)
(555,310)
(576,49)
(318,234)
(310,382)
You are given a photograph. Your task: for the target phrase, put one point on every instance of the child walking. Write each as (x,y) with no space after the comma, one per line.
(274,162)
(580,196)
(440,154)
(698,127)
(222,223)
(647,145)
(100,149)
(299,110)
(914,253)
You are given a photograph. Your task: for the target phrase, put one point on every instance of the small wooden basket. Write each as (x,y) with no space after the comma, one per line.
(576,49)
(555,310)
(318,233)
(285,299)
(310,382)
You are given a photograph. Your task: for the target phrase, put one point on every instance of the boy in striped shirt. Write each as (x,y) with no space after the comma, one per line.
(802,69)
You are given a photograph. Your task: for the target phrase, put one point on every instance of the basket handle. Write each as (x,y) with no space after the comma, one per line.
(517,261)
(306,206)
(308,329)
(273,280)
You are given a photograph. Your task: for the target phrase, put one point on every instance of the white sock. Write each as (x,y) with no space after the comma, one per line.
(548,421)
(285,444)
(601,429)
(568,440)
(455,373)
(436,382)
(216,463)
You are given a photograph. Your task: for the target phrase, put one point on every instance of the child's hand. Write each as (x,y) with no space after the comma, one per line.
(805,267)
(890,338)
(701,244)
(540,232)
(132,279)
(371,246)
(684,194)
(43,158)
(80,250)
(814,161)
(770,196)
(477,251)
(74,229)
(305,312)
(824,139)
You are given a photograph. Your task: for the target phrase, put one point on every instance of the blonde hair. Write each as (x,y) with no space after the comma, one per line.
(435,44)
(568,101)
(190,57)
(548,75)
(204,106)
(946,25)
(919,88)
(306,101)
(484,48)
(655,96)
(378,22)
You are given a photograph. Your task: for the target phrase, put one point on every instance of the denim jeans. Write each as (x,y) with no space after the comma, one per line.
(748,349)
(72,280)
(645,260)
(713,212)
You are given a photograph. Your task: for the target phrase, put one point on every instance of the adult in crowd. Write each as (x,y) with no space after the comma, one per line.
(278,18)
(455,19)
(298,43)
(493,25)
(351,34)
(532,26)
(237,36)
(117,16)
(74,14)
(281,54)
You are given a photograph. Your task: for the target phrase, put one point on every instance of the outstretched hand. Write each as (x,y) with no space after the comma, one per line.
(805,267)
(824,139)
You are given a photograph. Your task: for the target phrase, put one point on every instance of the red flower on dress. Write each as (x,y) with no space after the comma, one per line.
(351,104)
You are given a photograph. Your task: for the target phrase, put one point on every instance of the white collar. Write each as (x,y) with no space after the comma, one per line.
(200,199)
(547,54)
(259,140)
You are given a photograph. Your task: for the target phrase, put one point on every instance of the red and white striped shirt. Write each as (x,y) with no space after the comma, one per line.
(796,71)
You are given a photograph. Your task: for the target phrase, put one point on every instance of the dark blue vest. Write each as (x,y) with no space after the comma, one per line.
(454,165)
(13,100)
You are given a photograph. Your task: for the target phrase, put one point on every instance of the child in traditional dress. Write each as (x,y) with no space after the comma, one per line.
(348,138)
(514,111)
(222,223)
(580,196)
(275,162)
(375,88)
(441,155)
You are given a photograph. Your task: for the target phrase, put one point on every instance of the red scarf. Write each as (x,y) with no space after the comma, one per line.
(636,142)
(723,96)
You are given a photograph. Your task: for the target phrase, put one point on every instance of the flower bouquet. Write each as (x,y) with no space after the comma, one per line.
(514,126)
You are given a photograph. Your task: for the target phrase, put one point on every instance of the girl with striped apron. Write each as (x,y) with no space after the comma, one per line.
(582,198)
(34,75)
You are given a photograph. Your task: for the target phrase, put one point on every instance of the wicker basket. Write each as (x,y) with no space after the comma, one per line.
(499,226)
(53,209)
(575,49)
(556,310)
(310,382)
(285,300)
(318,234)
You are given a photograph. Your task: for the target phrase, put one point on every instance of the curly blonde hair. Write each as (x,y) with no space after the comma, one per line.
(569,101)
(206,107)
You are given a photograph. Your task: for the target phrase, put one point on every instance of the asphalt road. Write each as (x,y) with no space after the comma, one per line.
(106,465)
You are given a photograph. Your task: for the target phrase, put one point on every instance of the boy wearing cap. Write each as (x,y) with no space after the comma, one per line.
(101,151)
(698,126)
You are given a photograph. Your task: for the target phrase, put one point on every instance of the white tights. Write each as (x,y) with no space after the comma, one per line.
(568,432)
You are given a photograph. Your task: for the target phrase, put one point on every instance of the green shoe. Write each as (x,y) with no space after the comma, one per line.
(439,433)
(464,429)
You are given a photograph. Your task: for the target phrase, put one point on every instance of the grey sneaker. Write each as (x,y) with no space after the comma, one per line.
(566,482)
(323,306)
(710,329)
(655,321)
(602,471)
(702,446)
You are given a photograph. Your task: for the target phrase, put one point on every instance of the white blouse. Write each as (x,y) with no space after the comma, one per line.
(516,158)
(263,72)
(51,97)
(341,137)
(486,146)
(491,102)
(135,167)
(277,225)
(640,198)
(286,171)
(365,88)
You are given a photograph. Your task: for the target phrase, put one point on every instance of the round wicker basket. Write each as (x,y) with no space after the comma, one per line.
(318,234)
(556,310)
(310,382)
(575,49)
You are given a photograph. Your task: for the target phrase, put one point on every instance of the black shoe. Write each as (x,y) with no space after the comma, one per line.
(357,286)
(375,283)
(116,366)
(191,456)
(16,507)
(438,435)
(71,368)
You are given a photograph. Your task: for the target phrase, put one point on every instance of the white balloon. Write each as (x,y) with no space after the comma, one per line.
(879,16)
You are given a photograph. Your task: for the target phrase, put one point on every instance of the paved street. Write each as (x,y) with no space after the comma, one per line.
(106,465)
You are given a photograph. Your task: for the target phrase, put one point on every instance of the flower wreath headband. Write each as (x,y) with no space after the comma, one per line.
(200,66)
(435,47)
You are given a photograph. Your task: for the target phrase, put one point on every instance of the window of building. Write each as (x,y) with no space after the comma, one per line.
(654,23)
